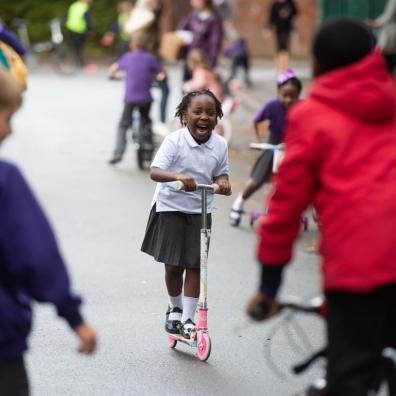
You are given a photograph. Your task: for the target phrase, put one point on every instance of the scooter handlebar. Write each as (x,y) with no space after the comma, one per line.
(213,188)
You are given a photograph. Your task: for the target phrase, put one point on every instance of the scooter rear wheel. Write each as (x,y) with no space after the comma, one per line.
(204,346)
(171,342)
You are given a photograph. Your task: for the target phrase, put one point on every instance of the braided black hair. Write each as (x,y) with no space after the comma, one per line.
(187,99)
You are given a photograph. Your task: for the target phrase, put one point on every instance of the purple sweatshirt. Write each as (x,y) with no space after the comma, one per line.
(207,34)
(31,266)
(276,114)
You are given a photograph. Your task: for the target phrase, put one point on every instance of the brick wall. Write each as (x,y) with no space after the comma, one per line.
(249,18)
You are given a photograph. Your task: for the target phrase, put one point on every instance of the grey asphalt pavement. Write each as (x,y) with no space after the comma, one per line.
(63,138)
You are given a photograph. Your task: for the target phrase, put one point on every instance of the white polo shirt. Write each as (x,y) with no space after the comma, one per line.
(180,153)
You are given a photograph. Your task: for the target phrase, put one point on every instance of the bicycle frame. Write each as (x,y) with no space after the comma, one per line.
(317,306)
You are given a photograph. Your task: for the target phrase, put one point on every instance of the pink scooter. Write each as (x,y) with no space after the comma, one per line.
(200,337)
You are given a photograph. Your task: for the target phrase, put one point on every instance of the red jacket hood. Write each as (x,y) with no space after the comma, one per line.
(364,90)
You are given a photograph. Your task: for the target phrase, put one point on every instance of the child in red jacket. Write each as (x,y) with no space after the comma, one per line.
(344,162)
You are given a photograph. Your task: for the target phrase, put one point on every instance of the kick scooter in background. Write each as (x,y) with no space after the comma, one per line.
(200,336)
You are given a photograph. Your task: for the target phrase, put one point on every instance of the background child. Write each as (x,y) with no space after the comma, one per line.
(141,68)
(341,155)
(274,111)
(124,9)
(31,266)
(238,53)
(193,155)
(203,77)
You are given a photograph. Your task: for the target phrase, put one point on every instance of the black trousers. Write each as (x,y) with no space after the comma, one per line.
(360,326)
(13,378)
(77,41)
(239,61)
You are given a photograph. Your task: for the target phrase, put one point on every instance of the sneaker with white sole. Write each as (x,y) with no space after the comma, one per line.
(172,326)
(187,328)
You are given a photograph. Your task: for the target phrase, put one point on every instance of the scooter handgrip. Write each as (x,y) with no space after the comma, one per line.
(178,185)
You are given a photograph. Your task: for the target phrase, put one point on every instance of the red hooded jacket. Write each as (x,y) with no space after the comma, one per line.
(341,156)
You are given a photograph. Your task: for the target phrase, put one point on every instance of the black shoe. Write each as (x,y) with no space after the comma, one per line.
(115,160)
(172,326)
(187,328)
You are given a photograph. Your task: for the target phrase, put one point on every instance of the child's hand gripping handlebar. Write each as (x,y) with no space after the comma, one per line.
(211,188)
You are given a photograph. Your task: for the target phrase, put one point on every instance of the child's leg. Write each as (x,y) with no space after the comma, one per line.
(124,124)
(174,284)
(191,294)
(251,187)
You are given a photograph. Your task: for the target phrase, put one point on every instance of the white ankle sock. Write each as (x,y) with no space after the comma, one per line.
(189,308)
(175,302)
(238,203)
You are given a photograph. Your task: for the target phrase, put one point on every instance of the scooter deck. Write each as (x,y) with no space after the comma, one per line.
(178,337)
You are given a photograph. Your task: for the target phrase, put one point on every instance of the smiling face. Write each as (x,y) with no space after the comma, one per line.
(288,95)
(201,117)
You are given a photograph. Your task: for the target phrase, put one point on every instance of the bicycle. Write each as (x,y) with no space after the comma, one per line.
(316,306)
(61,57)
(142,139)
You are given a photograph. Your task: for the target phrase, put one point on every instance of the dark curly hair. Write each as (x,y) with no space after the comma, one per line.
(187,99)
(293,81)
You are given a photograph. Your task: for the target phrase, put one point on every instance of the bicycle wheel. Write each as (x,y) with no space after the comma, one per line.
(63,60)
(145,149)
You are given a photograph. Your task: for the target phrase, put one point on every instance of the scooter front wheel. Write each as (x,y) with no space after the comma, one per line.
(204,346)
(171,342)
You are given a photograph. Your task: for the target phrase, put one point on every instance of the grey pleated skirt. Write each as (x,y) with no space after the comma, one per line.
(262,170)
(173,238)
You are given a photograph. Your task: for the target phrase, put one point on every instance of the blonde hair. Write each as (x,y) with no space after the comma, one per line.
(197,58)
(139,40)
(10,91)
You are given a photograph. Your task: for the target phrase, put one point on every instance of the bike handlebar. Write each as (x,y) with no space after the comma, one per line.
(266,146)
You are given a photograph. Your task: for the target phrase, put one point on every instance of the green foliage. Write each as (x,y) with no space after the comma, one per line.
(39,13)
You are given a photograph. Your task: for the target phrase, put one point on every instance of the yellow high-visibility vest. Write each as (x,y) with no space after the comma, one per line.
(75,17)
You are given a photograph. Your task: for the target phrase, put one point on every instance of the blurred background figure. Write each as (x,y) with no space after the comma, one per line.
(202,75)
(386,23)
(205,24)
(117,31)
(141,68)
(78,25)
(145,17)
(280,23)
(237,51)
(225,9)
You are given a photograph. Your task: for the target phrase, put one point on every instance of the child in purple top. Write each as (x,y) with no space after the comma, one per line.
(274,111)
(205,24)
(141,68)
(31,266)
